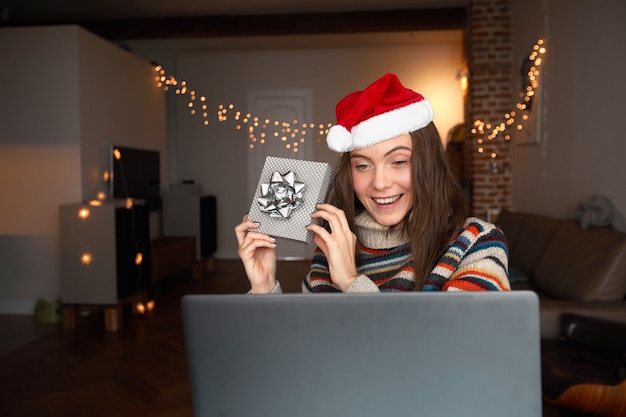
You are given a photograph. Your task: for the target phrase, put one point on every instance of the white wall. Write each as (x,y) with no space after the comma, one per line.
(65,93)
(216,155)
(119,105)
(581,147)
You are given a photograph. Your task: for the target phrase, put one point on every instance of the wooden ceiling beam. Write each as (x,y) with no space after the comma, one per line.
(272,24)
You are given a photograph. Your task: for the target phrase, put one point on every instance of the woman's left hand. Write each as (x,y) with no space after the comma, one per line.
(339,245)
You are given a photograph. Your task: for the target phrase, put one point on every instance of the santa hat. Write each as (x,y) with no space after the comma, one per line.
(384,110)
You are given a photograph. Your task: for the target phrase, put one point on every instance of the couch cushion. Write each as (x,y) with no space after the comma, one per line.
(527,236)
(510,222)
(583,265)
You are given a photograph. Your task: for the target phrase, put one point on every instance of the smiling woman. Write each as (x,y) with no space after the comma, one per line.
(393,202)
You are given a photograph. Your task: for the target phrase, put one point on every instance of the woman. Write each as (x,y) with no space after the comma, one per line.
(396,219)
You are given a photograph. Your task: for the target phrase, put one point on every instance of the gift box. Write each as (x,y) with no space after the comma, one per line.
(286,196)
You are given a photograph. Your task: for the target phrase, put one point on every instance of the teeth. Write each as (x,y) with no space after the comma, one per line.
(386,200)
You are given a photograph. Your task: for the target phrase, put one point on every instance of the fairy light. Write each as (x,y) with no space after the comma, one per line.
(85,258)
(140,308)
(83,213)
(482,130)
(256,128)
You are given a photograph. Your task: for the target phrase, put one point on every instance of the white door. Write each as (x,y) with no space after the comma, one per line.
(280,106)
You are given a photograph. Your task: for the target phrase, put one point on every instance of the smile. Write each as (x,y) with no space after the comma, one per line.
(387,200)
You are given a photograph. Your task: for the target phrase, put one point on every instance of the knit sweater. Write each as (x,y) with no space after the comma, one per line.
(476,260)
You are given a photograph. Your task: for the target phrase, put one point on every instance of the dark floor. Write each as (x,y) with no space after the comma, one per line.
(139,371)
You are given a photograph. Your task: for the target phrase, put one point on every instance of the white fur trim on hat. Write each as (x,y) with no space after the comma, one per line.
(381,127)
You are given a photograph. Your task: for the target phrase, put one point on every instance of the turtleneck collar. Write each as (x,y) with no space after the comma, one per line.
(376,236)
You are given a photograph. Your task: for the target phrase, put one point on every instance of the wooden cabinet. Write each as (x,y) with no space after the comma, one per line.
(117,243)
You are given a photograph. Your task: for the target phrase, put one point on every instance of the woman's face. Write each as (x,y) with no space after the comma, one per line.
(381,176)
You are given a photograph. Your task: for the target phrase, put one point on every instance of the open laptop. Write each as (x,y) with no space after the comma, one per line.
(365,355)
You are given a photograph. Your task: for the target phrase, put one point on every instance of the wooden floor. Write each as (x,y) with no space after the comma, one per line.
(139,371)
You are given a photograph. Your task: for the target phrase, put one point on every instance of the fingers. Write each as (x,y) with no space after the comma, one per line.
(339,245)
(335,217)
(248,240)
(241,230)
(255,240)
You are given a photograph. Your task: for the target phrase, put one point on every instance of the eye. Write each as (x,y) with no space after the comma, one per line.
(400,162)
(361,167)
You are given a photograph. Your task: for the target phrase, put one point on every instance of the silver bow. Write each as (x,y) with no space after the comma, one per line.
(281,195)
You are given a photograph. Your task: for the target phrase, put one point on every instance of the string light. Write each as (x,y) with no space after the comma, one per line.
(85,258)
(140,308)
(83,213)
(257,131)
(513,119)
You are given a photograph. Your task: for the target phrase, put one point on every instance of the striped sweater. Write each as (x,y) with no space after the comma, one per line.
(476,260)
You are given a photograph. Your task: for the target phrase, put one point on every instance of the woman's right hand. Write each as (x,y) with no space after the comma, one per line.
(258,254)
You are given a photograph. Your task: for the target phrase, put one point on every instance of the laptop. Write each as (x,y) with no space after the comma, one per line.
(364,355)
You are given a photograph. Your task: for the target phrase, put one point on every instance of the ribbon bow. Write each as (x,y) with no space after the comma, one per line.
(281,195)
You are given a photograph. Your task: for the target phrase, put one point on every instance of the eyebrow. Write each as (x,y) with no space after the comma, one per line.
(397,148)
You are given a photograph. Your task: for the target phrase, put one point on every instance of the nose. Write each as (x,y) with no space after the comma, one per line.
(382,179)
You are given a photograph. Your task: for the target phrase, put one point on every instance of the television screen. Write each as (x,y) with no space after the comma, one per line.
(136,174)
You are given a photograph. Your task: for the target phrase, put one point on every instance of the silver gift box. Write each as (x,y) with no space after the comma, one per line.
(286,195)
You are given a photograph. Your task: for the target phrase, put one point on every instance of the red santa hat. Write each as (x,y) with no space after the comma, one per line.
(384,110)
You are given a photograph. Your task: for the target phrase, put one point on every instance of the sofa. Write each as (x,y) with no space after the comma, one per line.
(572,269)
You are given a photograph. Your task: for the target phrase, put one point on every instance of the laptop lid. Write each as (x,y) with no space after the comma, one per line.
(365,355)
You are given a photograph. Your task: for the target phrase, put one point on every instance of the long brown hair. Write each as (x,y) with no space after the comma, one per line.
(438,210)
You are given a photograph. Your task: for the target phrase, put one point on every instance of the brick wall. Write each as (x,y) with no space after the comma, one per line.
(488,53)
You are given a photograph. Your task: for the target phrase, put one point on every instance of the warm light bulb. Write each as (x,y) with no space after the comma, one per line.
(83,213)
(464,83)
(95,203)
(129,203)
(140,308)
(150,305)
(139,258)
(117,154)
(85,258)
